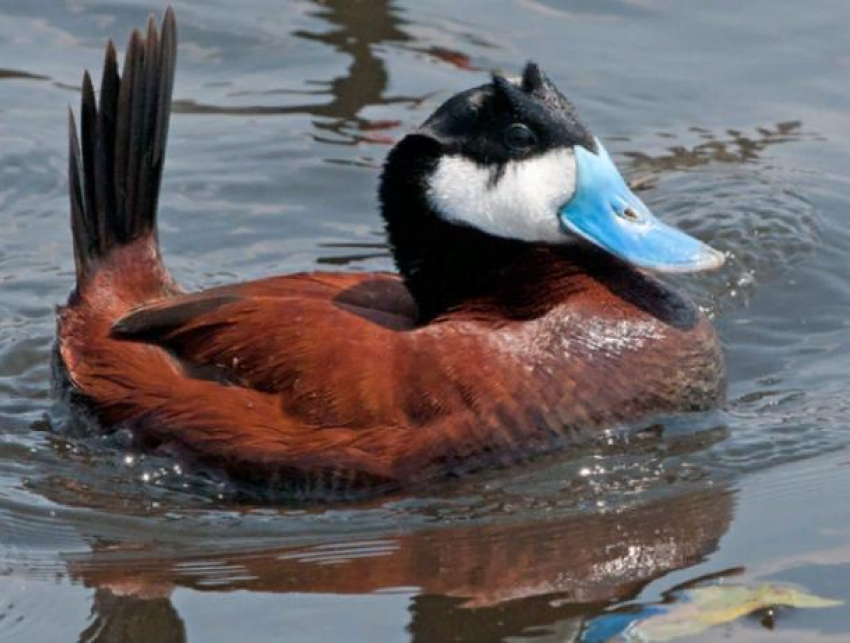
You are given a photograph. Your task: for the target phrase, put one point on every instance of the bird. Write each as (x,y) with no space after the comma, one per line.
(524,310)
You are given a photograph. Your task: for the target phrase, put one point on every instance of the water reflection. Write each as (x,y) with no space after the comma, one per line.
(359,28)
(359,252)
(476,583)
(132,618)
(12,73)
(734,147)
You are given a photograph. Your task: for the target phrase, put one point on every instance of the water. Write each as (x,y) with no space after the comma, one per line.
(732,119)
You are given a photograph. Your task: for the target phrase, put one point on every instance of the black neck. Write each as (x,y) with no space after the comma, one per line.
(446,265)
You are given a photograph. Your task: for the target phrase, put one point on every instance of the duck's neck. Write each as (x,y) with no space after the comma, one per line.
(449,269)
(448,266)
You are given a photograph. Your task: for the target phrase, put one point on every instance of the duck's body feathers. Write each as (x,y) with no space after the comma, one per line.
(354,379)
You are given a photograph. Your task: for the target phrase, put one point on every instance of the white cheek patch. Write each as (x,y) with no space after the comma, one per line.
(523,204)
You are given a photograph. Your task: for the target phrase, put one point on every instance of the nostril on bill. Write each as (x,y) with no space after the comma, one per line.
(628,213)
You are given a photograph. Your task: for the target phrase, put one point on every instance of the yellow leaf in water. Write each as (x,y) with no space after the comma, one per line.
(704,607)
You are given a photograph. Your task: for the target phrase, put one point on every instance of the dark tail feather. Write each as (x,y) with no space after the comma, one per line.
(115,176)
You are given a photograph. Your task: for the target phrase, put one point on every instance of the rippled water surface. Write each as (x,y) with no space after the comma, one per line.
(731,117)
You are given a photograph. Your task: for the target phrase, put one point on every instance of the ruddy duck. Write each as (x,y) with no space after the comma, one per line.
(521,313)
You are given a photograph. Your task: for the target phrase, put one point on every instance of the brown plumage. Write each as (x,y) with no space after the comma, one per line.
(334,381)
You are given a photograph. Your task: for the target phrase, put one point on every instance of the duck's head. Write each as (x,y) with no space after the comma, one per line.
(509,164)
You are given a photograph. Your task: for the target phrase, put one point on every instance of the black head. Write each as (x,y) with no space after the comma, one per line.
(507,120)
(441,250)
(500,170)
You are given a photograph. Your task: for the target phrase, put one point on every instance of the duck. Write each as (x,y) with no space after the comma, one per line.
(525,311)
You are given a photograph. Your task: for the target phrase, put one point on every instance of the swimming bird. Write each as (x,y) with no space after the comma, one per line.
(523,312)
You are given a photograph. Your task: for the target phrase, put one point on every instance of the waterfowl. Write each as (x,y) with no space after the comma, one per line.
(521,313)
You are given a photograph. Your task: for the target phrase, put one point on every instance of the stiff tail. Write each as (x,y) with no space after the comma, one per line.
(114,177)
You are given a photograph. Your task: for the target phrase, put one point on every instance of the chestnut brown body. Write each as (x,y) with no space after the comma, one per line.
(338,379)
(330,373)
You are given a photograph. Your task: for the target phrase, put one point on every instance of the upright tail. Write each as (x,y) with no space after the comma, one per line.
(114,177)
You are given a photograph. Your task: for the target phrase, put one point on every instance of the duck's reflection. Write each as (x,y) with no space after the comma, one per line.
(131,618)
(358,30)
(475,583)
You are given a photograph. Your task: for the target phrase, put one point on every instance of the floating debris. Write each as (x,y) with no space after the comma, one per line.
(694,611)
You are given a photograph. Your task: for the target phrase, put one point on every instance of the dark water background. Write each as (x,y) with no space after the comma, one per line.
(732,116)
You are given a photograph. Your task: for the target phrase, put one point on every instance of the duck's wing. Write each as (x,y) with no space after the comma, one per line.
(271,334)
(378,297)
(155,321)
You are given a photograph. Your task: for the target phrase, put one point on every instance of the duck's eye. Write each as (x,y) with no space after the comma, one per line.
(520,138)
